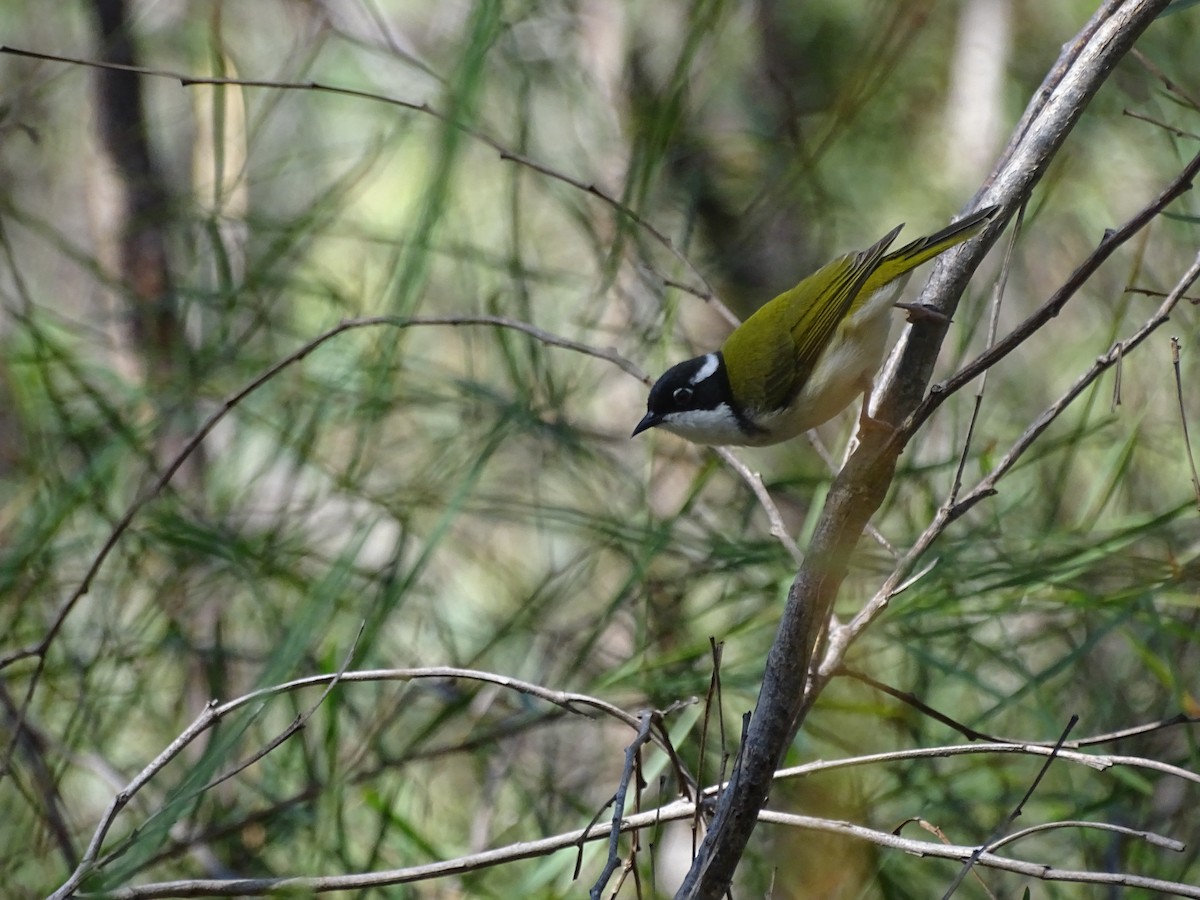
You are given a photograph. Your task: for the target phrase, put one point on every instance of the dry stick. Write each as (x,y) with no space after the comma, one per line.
(910,699)
(998,834)
(971,734)
(672,812)
(861,486)
(1168,84)
(941,836)
(842,637)
(292,728)
(711,698)
(215,711)
(567,701)
(1187,441)
(1093,761)
(1170,129)
(1149,837)
(993,327)
(1147,292)
(705,293)
(755,482)
(645,720)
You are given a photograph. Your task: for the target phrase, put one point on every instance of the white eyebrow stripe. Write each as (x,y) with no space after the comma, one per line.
(705,371)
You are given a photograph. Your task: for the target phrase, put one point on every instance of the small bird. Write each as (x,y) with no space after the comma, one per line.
(804,356)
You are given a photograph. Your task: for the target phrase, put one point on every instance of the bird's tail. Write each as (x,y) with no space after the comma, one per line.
(912,255)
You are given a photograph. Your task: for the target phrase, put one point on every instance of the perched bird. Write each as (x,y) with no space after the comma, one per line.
(804,356)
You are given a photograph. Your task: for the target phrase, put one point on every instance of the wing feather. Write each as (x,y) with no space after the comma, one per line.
(776,349)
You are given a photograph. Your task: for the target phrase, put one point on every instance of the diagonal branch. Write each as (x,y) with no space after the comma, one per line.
(861,486)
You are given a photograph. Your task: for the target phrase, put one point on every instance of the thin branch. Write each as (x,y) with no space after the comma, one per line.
(646,720)
(1187,441)
(993,327)
(1170,129)
(705,292)
(1012,816)
(938,393)
(671,812)
(969,733)
(755,483)
(1147,292)
(1168,83)
(1149,837)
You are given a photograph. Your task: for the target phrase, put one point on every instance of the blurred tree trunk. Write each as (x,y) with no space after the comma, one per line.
(136,219)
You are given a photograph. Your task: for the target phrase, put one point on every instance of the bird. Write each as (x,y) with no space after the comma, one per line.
(804,356)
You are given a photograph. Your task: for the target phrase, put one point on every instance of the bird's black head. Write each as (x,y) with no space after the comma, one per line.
(693,399)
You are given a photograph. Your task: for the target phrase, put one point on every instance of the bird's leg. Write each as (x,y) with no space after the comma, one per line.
(866,422)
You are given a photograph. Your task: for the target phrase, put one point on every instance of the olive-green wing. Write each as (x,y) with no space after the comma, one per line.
(772,354)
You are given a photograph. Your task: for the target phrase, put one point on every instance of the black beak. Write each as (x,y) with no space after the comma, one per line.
(649,420)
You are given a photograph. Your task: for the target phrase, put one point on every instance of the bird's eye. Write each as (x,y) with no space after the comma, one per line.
(682,395)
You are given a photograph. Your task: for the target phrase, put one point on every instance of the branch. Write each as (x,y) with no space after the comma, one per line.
(860,488)
(671,812)
(214,712)
(955,507)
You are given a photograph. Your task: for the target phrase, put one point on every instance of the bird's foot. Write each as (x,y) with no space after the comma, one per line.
(923,312)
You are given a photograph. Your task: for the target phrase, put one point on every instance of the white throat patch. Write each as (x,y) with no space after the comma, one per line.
(706,426)
(705,371)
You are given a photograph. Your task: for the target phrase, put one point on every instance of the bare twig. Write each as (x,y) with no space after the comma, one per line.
(971,734)
(993,326)
(1187,441)
(1147,292)
(1012,816)
(755,483)
(1171,129)
(671,812)
(1167,82)
(1149,837)
(645,720)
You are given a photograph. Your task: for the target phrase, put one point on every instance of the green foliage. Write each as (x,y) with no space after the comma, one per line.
(466,495)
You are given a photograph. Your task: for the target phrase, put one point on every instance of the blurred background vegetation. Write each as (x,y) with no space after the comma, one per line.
(471,494)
